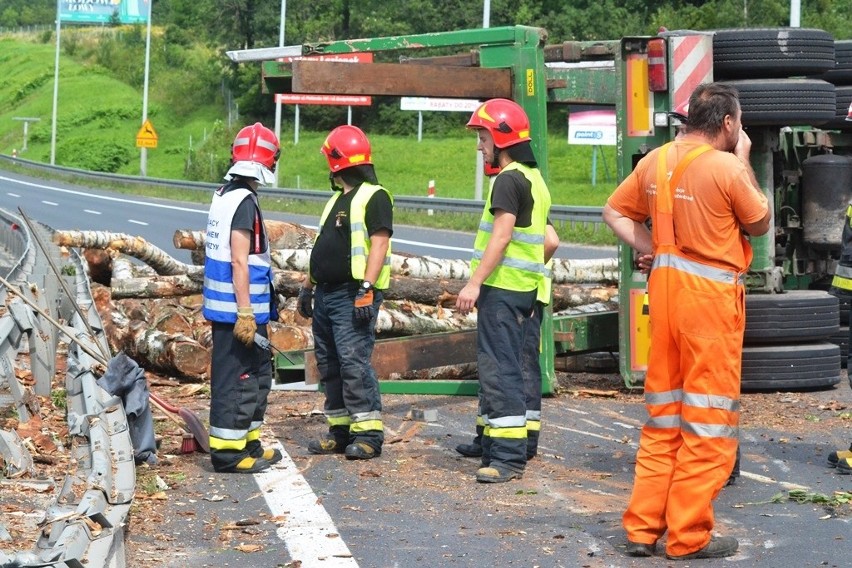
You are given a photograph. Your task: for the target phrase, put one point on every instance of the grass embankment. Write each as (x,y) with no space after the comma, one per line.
(98,117)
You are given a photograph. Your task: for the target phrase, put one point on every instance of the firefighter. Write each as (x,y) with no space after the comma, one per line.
(841,286)
(239,301)
(699,212)
(349,269)
(509,285)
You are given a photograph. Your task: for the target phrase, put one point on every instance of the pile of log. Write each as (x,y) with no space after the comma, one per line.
(151,306)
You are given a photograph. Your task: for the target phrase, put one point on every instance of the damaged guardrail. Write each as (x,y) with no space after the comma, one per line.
(84,525)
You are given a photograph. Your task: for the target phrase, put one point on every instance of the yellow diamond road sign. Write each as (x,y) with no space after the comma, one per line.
(147,136)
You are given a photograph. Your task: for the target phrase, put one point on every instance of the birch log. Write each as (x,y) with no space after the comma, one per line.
(137,247)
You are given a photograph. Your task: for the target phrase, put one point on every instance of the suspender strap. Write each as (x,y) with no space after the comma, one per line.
(663,221)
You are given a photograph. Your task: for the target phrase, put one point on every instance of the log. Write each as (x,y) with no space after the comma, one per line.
(437,292)
(565,271)
(177,355)
(100,265)
(137,247)
(281,235)
(397,318)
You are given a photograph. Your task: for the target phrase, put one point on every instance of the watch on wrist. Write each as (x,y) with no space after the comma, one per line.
(367,285)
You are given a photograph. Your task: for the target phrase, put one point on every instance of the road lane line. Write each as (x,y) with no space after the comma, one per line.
(50,203)
(9,193)
(308,526)
(92,211)
(137,222)
(603,437)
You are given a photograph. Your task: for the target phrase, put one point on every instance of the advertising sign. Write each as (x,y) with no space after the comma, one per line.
(592,127)
(103,11)
(431,103)
(344,100)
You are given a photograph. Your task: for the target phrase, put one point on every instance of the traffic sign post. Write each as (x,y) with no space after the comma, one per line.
(147,136)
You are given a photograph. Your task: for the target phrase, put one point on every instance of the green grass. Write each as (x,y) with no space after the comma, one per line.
(98,117)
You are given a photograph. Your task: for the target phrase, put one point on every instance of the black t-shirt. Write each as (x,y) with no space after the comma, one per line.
(247,217)
(512,193)
(330,258)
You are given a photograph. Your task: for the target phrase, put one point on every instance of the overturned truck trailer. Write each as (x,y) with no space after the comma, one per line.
(794,95)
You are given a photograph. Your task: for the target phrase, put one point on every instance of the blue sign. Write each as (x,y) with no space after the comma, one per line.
(103,11)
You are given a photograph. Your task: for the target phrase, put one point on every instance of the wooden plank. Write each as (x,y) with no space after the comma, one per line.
(401,354)
(395,79)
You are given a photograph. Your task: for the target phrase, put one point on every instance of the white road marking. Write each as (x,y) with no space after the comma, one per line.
(50,203)
(92,211)
(770,481)
(12,194)
(191,210)
(137,222)
(609,438)
(308,527)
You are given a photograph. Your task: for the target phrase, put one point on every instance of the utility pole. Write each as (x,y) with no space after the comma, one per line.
(55,89)
(278,104)
(480,163)
(143,155)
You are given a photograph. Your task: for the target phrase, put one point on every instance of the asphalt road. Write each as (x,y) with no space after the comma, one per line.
(67,206)
(418,504)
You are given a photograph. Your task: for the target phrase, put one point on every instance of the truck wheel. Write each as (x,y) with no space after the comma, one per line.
(798,315)
(790,367)
(842,72)
(771,52)
(782,102)
(843,96)
(841,339)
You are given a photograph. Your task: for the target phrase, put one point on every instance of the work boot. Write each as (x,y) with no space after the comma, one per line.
(271,455)
(718,547)
(844,466)
(246,465)
(640,548)
(325,446)
(494,474)
(835,457)
(472,450)
(361,451)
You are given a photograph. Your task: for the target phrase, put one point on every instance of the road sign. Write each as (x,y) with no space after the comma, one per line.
(147,136)
(344,100)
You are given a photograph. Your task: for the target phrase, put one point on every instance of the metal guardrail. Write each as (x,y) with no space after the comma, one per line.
(575,214)
(85,523)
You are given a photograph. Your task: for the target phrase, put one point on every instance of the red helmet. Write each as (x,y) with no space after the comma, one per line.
(346,146)
(256,143)
(505,119)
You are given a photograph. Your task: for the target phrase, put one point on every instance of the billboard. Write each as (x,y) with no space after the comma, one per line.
(103,11)
(345,100)
(593,127)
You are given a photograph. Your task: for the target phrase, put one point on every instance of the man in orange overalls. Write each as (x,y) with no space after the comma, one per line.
(698,212)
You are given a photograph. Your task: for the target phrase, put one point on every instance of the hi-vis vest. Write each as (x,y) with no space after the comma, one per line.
(841,284)
(360,240)
(522,268)
(220,301)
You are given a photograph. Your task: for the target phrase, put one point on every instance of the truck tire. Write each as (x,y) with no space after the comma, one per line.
(782,102)
(771,52)
(842,72)
(843,96)
(798,315)
(790,367)
(841,339)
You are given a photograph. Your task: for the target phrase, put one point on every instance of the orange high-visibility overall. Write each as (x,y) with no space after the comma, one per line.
(688,445)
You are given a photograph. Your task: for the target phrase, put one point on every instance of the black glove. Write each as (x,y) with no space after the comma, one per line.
(305,305)
(364,310)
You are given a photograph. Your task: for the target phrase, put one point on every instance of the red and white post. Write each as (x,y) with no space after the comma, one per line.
(431,194)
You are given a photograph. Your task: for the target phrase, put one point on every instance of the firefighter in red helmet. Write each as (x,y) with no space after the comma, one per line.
(349,270)
(239,300)
(509,282)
